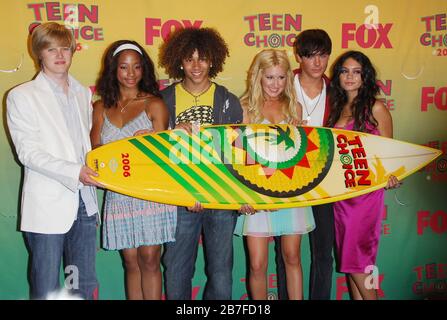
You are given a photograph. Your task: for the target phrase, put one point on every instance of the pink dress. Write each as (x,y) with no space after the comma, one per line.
(358,226)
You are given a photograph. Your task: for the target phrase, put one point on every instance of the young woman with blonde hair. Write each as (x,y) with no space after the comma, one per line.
(270,99)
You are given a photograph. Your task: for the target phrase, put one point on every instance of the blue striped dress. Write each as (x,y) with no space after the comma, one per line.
(131,222)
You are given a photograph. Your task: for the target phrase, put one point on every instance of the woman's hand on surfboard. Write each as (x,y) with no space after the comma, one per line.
(393,183)
(247,209)
(143,131)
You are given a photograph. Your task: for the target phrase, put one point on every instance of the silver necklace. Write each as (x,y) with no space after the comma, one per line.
(305,106)
(125,106)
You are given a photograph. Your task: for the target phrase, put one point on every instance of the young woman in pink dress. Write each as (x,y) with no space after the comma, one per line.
(358,220)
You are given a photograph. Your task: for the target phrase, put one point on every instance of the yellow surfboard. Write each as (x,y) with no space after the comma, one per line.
(266,166)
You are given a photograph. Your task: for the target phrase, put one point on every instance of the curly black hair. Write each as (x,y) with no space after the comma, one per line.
(366,97)
(181,45)
(107,85)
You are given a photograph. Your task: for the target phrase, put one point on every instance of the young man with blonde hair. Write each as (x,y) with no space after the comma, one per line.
(49,119)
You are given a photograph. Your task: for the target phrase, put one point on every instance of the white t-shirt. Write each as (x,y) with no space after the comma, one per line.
(313,109)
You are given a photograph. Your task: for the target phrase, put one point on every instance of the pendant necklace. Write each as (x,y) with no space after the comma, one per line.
(305,105)
(196,96)
(125,106)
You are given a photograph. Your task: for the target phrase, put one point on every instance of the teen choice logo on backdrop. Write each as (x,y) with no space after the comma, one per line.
(278,160)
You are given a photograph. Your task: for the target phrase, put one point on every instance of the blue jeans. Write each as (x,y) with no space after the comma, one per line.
(180,256)
(321,246)
(77,246)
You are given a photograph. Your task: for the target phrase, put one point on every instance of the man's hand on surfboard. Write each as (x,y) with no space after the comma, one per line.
(85,176)
(185,126)
(197,208)
(298,122)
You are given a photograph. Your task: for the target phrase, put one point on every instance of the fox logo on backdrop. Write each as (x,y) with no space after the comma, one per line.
(156,27)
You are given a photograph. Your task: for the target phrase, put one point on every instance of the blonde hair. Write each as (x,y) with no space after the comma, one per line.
(253,99)
(50,33)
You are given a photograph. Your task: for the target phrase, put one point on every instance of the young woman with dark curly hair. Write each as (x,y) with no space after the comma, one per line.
(195,56)
(354,106)
(130,105)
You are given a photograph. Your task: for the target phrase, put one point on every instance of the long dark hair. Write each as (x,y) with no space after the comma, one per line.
(108,86)
(365,99)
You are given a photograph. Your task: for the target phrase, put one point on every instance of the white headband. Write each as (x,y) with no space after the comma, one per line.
(126,46)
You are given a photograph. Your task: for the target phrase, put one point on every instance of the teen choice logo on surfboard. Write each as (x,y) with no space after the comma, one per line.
(277,160)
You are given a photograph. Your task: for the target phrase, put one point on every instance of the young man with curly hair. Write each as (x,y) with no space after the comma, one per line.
(195,56)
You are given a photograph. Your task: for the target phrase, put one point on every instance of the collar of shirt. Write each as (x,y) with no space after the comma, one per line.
(54,85)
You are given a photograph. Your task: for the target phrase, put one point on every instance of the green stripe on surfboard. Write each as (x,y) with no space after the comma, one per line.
(209,169)
(168,170)
(189,171)
(218,165)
